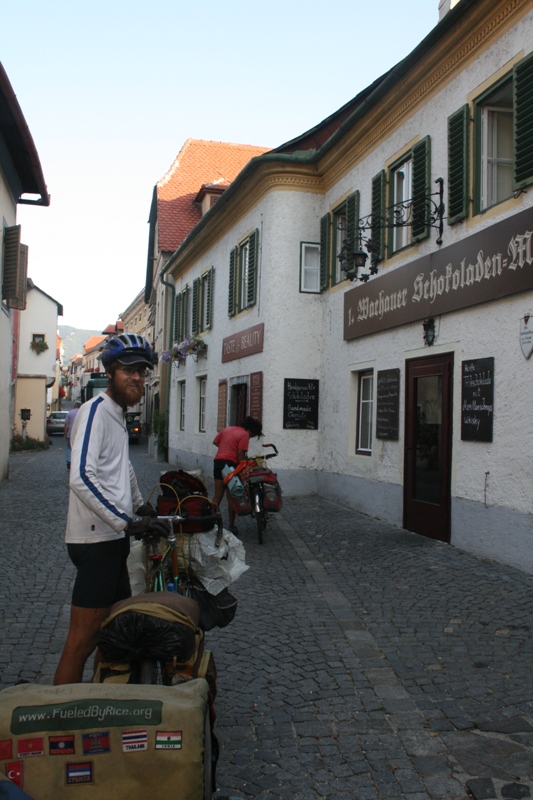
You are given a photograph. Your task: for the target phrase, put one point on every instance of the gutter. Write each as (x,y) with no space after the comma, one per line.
(27,144)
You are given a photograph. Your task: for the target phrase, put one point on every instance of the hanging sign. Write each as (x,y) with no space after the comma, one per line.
(526,334)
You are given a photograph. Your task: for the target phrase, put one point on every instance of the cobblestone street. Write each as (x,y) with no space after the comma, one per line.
(364,662)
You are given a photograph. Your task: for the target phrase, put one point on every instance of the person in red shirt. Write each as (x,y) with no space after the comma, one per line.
(232,446)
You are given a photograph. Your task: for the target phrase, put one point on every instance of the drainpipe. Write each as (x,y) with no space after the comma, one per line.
(170,342)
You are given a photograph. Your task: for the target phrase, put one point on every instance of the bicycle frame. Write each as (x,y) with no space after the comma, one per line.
(160,566)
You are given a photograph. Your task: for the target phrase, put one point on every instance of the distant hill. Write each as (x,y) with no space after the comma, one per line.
(73,340)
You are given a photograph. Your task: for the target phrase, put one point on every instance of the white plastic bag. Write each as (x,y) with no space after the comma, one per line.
(217,567)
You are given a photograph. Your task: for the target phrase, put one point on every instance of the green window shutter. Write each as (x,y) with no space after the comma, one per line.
(14,280)
(209,285)
(325,247)
(523,122)
(177,318)
(352,220)
(185,312)
(232,284)
(195,306)
(458,164)
(379,185)
(253,268)
(421,189)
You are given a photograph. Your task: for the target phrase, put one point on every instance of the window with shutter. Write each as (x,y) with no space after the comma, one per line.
(325,241)
(185,312)
(195,310)
(181,315)
(253,264)
(244,274)
(207,299)
(379,184)
(458,164)
(421,189)
(232,283)
(15,277)
(177,317)
(345,226)
(523,123)
(409,186)
(493,146)
(309,267)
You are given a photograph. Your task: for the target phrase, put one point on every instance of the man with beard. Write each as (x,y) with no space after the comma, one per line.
(103,496)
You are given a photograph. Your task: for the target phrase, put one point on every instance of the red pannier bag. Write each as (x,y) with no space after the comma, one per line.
(271,489)
(183,492)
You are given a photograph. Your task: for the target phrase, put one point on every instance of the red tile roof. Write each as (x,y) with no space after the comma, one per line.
(198,163)
(114,328)
(92,342)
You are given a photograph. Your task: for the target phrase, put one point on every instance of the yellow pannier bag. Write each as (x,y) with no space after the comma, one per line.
(107,741)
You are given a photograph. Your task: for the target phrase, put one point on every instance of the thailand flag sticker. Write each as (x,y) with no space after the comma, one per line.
(95,743)
(14,770)
(61,745)
(134,740)
(34,746)
(78,773)
(168,740)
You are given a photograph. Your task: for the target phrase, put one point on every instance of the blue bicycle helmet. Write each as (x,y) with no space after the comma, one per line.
(127,348)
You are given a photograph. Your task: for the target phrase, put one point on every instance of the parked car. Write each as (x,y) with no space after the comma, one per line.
(55,423)
(133,424)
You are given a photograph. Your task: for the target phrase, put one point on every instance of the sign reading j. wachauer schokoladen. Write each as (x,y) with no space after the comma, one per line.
(494,263)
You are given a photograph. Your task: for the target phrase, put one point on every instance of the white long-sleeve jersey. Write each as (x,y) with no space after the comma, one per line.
(103,487)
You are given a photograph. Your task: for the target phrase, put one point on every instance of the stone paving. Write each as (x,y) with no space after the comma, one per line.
(364,662)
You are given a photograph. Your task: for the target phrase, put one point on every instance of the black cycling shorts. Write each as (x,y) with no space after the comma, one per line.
(102,577)
(218,466)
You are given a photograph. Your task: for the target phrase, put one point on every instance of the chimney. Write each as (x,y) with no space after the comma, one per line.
(445,6)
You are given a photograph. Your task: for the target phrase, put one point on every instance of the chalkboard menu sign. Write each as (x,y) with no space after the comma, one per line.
(477,400)
(388,404)
(300,404)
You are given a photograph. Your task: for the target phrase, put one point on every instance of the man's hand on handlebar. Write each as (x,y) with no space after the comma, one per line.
(146,510)
(141,526)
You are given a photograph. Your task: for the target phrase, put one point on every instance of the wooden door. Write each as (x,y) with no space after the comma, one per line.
(428,446)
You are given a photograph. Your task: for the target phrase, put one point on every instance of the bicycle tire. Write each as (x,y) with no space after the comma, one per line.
(260,516)
(151,672)
(208,763)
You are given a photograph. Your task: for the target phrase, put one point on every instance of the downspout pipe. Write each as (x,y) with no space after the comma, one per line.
(172,288)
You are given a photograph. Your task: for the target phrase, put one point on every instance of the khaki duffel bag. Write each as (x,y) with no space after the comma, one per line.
(107,742)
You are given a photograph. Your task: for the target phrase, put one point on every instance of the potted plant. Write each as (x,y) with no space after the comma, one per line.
(38,346)
(190,346)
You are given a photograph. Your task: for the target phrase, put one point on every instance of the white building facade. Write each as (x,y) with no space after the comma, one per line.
(405,397)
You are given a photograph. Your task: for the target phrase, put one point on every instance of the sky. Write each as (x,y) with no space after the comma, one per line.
(111,90)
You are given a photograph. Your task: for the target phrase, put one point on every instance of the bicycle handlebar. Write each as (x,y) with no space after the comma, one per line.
(271,455)
(216,519)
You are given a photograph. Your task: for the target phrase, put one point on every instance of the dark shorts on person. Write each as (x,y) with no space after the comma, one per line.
(218,466)
(102,577)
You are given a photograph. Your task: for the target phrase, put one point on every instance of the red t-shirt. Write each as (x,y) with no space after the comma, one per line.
(229,441)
